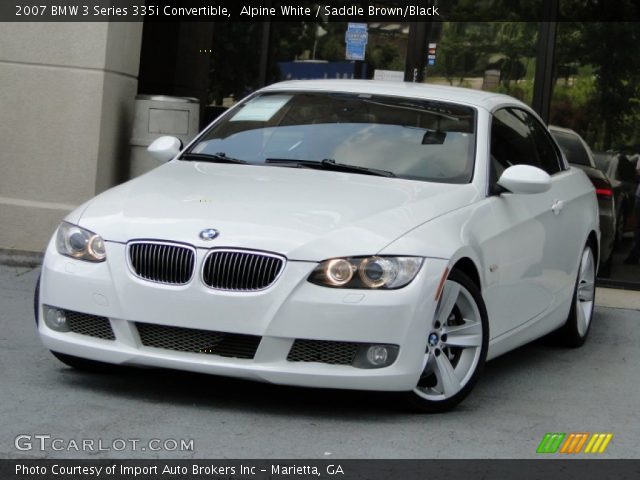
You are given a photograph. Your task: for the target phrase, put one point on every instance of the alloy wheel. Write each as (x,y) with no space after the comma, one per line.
(454,345)
(585,292)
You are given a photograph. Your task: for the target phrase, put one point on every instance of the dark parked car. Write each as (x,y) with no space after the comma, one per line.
(621,172)
(579,155)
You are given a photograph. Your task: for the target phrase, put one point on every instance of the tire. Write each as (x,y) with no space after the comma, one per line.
(86,365)
(453,361)
(574,333)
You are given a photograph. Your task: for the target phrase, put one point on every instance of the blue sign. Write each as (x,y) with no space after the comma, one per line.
(355,51)
(356,38)
(303,70)
(432,61)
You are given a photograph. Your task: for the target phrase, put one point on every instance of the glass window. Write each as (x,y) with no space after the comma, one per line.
(312,50)
(493,56)
(511,142)
(517,138)
(414,139)
(548,153)
(595,94)
(573,149)
(234,68)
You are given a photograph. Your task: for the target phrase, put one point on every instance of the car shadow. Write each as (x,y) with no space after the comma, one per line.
(223,393)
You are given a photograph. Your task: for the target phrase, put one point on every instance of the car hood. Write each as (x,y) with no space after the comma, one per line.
(303,214)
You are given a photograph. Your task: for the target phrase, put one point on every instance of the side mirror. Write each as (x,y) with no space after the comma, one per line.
(165,148)
(525,179)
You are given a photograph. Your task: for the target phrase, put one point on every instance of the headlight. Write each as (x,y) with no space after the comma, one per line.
(76,242)
(375,272)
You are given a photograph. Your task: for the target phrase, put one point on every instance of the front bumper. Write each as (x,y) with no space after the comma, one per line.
(290,309)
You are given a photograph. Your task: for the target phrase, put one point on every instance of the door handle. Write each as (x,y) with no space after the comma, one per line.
(557,206)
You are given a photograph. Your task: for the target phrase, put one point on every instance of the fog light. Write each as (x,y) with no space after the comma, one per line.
(55,319)
(375,356)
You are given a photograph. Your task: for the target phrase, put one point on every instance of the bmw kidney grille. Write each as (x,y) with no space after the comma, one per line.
(240,270)
(223,269)
(162,262)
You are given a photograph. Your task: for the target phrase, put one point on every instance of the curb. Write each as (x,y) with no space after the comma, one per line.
(617,298)
(617,284)
(20,258)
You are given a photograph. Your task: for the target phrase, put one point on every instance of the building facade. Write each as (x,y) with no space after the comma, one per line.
(68,89)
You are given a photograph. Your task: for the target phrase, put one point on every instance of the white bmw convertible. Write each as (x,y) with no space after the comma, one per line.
(335,234)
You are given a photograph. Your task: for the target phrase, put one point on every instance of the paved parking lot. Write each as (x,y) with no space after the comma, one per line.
(537,389)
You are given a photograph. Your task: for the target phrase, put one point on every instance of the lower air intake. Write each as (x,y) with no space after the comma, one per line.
(334,353)
(90,325)
(192,340)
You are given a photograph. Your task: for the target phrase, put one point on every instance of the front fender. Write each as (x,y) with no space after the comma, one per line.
(456,235)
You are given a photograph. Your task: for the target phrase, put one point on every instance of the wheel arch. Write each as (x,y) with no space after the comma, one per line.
(469,268)
(592,238)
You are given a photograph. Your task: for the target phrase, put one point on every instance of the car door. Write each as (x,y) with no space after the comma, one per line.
(529,230)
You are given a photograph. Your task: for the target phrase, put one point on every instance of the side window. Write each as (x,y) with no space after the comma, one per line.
(517,138)
(547,151)
(511,143)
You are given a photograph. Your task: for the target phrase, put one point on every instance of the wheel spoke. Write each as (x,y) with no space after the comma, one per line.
(466,335)
(587,267)
(586,280)
(581,319)
(448,301)
(467,328)
(584,261)
(446,376)
(585,291)
(586,264)
(427,364)
(464,341)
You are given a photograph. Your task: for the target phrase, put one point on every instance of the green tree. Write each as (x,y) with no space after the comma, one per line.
(468,49)
(235,60)
(237,46)
(609,50)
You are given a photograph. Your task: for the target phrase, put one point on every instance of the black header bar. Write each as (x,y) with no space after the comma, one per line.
(334,469)
(296,11)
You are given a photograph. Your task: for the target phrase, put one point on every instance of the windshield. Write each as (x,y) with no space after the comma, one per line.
(408,138)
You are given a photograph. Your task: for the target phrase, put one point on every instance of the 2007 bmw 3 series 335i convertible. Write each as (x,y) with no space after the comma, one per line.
(335,234)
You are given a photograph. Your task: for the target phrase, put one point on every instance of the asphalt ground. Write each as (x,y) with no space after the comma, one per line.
(536,389)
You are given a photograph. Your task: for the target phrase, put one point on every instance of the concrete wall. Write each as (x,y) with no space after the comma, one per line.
(67,95)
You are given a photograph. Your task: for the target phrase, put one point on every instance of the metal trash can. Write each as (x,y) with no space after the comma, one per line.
(155,116)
